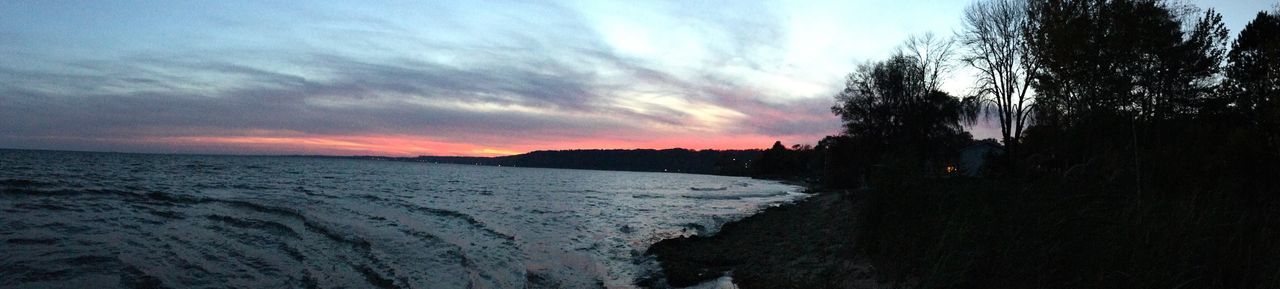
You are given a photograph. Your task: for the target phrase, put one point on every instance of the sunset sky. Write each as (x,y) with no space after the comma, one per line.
(444,77)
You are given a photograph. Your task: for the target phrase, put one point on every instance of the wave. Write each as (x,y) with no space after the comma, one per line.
(255,223)
(249,223)
(22,183)
(461,216)
(737,196)
(31,241)
(136,278)
(375,278)
(242,223)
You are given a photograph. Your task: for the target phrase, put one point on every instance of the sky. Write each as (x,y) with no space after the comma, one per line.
(477,78)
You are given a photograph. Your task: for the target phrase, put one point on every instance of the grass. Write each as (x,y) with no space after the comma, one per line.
(1059,233)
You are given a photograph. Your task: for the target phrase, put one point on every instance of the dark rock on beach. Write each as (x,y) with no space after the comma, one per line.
(809,244)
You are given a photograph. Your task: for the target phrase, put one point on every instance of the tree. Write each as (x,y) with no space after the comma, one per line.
(1132,59)
(1178,61)
(1253,74)
(773,162)
(1253,66)
(994,39)
(933,57)
(895,108)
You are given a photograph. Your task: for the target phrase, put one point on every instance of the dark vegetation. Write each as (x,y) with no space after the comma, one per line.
(800,162)
(1143,151)
(1150,162)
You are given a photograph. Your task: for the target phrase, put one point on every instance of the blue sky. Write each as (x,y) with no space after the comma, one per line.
(444,77)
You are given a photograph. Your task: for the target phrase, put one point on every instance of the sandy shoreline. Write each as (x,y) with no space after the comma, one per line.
(809,244)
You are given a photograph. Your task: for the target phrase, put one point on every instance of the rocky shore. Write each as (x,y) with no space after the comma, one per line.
(809,244)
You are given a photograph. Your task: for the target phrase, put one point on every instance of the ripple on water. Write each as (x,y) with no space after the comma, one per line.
(153,221)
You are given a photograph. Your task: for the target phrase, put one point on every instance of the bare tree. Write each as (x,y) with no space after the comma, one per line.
(992,36)
(933,56)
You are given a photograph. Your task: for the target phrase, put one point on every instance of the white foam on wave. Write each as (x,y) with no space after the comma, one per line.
(724,282)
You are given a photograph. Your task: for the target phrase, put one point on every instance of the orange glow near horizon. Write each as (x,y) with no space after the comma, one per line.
(406,145)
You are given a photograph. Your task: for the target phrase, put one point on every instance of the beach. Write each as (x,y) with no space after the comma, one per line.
(808,244)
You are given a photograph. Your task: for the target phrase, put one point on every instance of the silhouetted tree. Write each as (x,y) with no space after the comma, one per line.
(994,39)
(779,162)
(1115,72)
(844,161)
(933,56)
(1139,152)
(1253,74)
(773,162)
(1127,58)
(894,107)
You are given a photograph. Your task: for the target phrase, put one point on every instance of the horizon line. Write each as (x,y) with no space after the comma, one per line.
(340,155)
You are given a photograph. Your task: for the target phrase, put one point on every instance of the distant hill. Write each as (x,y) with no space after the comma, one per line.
(716,162)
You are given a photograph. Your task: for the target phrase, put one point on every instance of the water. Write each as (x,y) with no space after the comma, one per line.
(102,220)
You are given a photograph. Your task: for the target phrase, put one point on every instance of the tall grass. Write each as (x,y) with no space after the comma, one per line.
(1068,233)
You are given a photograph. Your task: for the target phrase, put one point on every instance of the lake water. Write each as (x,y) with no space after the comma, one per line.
(105,220)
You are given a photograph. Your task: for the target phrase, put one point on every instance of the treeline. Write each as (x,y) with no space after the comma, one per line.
(1141,150)
(893,112)
(716,162)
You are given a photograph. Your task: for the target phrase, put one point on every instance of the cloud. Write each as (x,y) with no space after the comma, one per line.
(557,82)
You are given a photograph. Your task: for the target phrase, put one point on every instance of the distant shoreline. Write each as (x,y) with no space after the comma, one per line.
(675,160)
